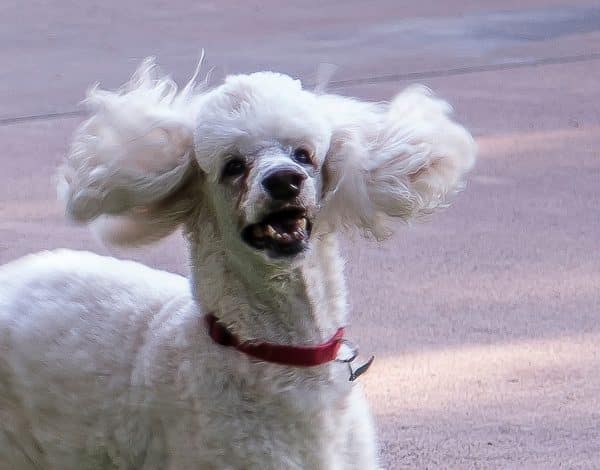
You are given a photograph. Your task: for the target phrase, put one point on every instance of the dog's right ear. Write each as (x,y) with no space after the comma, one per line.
(130,170)
(401,159)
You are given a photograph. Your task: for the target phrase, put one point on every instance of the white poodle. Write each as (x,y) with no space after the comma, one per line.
(108,364)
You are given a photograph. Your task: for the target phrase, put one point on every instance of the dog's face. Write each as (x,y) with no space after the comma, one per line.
(262,142)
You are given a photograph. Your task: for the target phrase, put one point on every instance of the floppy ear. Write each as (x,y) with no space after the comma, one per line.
(400,159)
(130,170)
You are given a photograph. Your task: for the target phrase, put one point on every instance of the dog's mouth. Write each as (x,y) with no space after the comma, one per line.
(281,233)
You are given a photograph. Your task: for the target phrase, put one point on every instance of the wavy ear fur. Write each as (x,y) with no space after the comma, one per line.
(398,159)
(130,166)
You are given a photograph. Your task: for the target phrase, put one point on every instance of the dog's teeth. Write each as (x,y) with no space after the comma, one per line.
(270,231)
(277,236)
(286,237)
(297,235)
(302,223)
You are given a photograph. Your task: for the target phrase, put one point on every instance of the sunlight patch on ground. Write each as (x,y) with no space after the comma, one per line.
(559,372)
(497,145)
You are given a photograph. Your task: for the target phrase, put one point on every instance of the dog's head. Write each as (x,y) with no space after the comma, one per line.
(275,165)
(261,142)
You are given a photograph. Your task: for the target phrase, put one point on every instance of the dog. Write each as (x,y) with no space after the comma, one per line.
(108,364)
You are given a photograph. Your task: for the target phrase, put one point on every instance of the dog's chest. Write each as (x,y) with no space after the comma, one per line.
(241,429)
(285,439)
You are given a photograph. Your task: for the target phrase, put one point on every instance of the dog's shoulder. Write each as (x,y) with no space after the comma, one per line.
(51,268)
(83,288)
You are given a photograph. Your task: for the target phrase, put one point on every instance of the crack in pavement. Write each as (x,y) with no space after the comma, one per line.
(40,117)
(466,70)
(337,84)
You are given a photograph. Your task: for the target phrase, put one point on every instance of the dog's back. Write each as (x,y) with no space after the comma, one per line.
(72,325)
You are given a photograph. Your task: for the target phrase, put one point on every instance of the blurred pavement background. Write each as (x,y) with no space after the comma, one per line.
(484,321)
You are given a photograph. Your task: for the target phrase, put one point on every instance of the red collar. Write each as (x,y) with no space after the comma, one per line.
(302,356)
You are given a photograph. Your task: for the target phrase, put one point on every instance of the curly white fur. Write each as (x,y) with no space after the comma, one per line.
(105,364)
(398,159)
(133,151)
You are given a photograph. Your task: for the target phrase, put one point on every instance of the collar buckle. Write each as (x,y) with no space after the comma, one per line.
(349,359)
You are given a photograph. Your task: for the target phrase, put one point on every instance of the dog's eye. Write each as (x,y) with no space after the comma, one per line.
(234,167)
(302,156)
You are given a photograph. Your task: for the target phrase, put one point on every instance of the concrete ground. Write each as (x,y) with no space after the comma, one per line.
(484,321)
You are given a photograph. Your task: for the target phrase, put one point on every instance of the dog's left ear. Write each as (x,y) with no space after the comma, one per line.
(131,170)
(399,159)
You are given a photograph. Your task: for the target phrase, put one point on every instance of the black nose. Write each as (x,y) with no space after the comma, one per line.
(284,184)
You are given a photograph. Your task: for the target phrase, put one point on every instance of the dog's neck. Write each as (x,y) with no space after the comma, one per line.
(300,303)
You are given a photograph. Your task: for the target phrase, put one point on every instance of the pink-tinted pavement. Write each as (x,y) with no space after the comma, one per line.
(485,321)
